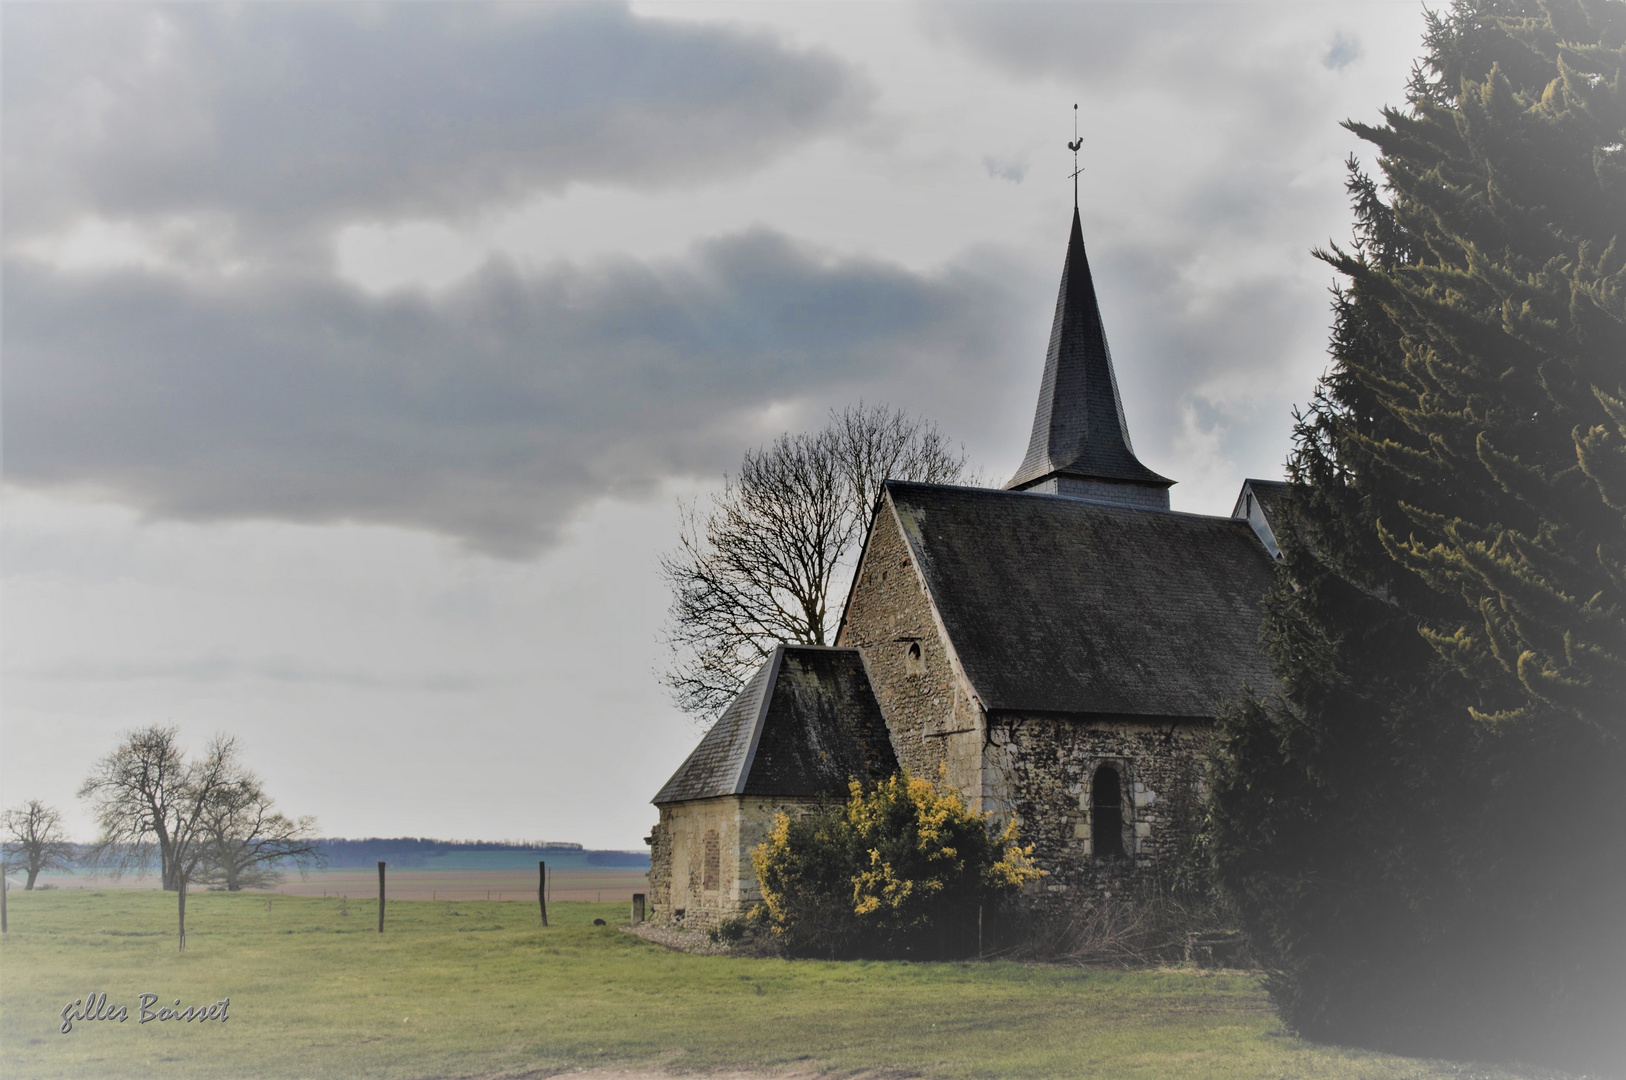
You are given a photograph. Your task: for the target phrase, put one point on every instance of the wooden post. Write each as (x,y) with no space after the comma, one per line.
(5,887)
(381,896)
(542,889)
(637,908)
(180,900)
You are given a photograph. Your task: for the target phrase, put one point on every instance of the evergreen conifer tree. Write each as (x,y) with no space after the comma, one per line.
(1424,829)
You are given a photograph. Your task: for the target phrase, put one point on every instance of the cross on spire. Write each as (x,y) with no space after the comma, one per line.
(1073,146)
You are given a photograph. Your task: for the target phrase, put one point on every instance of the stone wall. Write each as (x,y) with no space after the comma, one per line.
(936,727)
(1042,768)
(700,857)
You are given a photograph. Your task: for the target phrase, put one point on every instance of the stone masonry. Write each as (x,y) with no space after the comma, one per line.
(937,729)
(700,857)
(1042,769)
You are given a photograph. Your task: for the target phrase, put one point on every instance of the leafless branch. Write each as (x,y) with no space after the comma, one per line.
(768,559)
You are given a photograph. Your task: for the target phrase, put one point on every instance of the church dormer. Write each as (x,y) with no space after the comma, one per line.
(1080,444)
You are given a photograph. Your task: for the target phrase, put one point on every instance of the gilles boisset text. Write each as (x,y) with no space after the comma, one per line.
(95,1007)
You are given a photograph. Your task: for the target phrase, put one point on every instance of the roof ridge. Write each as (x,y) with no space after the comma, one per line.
(763,704)
(1072,500)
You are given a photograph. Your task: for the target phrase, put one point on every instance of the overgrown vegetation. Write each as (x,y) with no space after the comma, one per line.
(1425,833)
(904,869)
(1142,927)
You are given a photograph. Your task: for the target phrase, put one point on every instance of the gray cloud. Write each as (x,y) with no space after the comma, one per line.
(221,669)
(1225,63)
(1099,43)
(492,412)
(291,116)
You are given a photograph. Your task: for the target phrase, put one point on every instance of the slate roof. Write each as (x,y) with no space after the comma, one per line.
(1079,428)
(1057,604)
(804,724)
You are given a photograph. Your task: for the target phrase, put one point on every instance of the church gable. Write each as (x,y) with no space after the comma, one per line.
(934,720)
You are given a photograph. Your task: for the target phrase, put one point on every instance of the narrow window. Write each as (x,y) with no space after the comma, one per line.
(712,867)
(1107,814)
(912,662)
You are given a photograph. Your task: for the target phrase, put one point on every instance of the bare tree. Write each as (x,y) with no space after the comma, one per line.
(149,798)
(34,840)
(246,839)
(768,559)
(138,793)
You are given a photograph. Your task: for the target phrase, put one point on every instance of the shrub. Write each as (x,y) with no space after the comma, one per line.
(903,870)
(1143,926)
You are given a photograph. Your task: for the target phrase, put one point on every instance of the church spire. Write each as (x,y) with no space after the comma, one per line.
(1080,444)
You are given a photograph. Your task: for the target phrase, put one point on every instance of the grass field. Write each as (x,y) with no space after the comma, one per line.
(458,988)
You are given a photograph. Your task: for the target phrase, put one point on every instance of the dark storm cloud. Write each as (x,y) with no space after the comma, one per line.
(292,116)
(492,412)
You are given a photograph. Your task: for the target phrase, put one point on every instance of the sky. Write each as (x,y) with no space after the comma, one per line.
(356,357)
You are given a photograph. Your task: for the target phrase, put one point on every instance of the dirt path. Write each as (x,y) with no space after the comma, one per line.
(797,1073)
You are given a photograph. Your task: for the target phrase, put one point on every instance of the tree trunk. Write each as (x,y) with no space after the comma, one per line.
(33,872)
(180,900)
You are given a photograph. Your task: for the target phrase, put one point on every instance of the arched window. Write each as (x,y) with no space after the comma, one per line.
(912,662)
(1107,814)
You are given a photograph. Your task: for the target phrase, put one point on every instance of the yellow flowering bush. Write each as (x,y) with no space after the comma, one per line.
(904,869)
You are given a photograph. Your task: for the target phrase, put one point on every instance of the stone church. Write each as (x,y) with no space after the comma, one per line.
(1056,650)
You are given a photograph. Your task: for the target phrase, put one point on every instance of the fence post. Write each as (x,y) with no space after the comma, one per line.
(542,889)
(380,896)
(5,887)
(637,908)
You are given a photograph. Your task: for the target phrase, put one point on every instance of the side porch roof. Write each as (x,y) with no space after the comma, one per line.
(805,724)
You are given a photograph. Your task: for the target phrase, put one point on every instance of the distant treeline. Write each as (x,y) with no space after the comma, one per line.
(415,851)
(407,851)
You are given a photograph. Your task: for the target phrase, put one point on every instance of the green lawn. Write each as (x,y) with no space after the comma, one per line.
(454,989)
